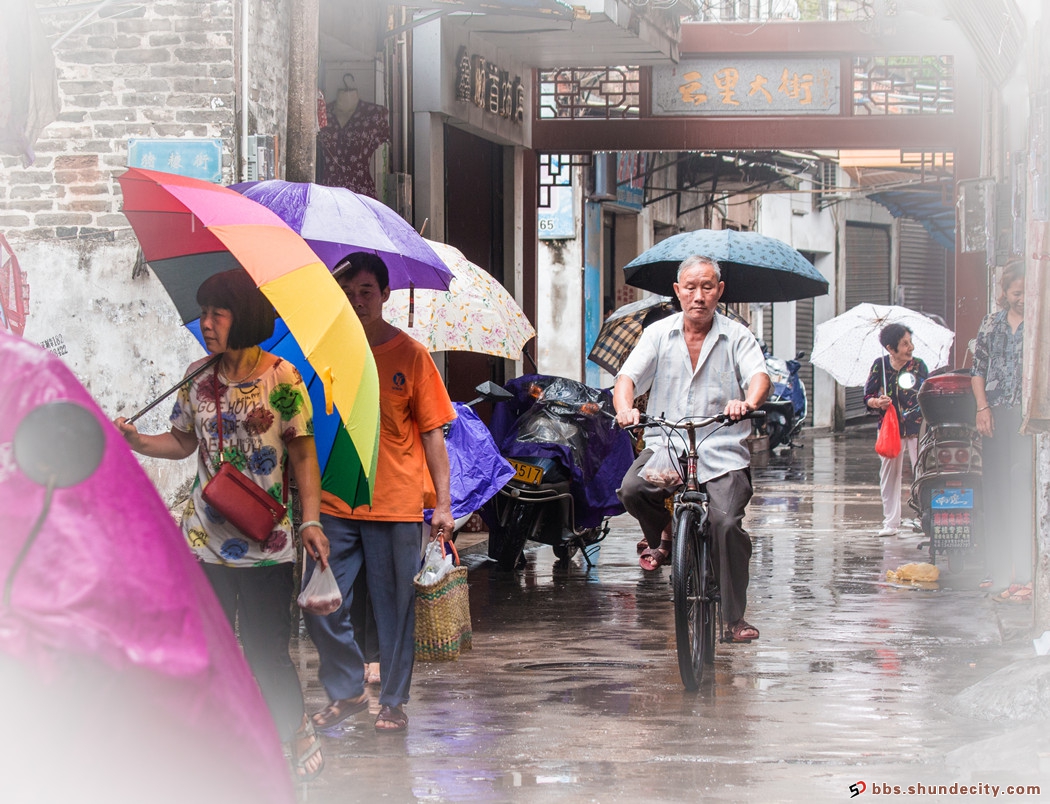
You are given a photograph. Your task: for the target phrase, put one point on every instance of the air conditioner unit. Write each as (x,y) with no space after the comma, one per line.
(827,182)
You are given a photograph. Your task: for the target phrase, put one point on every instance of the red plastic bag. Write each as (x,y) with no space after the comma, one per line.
(888,444)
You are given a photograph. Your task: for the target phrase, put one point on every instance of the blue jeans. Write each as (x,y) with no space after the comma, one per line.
(389,552)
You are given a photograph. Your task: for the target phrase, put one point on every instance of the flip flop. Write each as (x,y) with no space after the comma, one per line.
(338,711)
(1015,593)
(392,714)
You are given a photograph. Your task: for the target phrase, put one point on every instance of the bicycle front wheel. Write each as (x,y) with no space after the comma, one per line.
(694,605)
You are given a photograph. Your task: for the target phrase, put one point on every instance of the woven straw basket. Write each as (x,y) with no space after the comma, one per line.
(443,618)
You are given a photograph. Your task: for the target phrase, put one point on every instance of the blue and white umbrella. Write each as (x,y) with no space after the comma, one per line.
(755,268)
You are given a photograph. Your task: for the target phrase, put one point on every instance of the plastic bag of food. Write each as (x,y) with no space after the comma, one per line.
(321,594)
(914,573)
(661,470)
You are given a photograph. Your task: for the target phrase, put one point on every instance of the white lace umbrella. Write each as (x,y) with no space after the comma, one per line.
(848,344)
(476,313)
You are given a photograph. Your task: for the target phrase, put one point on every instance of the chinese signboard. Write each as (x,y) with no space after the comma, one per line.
(197,158)
(952,517)
(630,179)
(484,84)
(743,86)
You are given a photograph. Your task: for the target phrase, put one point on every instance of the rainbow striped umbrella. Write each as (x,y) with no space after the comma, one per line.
(190,229)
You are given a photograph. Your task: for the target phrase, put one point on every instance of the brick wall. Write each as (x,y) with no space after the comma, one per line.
(164,69)
(156,69)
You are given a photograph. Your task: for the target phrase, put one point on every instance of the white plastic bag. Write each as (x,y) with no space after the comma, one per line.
(436,565)
(661,470)
(321,595)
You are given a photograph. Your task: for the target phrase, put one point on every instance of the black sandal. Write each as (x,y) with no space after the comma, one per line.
(302,761)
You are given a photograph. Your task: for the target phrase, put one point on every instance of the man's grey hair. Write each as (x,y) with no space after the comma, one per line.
(694,261)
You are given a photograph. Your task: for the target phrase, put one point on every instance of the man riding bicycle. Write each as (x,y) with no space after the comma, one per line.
(697,363)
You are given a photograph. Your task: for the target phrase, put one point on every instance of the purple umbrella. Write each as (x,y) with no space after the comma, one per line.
(116,661)
(336,221)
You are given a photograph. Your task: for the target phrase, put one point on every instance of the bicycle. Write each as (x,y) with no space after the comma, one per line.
(694,575)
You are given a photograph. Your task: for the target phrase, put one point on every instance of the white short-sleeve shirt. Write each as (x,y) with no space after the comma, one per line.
(729,360)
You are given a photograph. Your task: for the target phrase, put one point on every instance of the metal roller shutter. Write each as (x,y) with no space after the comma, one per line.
(867,280)
(804,344)
(923,284)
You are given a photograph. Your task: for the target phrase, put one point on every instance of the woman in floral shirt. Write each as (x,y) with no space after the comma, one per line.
(267,423)
(1007,453)
(883,389)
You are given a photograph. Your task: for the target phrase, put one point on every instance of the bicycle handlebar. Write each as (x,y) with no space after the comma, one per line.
(684,424)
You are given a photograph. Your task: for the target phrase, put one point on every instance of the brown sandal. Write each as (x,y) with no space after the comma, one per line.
(655,557)
(338,711)
(394,715)
(741,631)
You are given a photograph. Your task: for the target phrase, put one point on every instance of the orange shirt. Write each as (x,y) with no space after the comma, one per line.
(412,400)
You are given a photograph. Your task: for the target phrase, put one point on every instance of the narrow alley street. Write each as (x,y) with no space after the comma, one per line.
(571,691)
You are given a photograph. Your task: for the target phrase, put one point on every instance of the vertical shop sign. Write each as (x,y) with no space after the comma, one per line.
(630,179)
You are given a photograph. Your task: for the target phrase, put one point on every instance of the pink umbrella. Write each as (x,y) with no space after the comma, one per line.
(120,678)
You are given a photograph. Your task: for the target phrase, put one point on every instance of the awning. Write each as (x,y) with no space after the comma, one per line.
(930,204)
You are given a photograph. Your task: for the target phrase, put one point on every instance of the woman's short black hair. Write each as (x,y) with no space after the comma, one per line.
(353,264)
(236,291)
(891,334)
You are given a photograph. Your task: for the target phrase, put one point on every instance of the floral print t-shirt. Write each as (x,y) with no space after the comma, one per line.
(259,418)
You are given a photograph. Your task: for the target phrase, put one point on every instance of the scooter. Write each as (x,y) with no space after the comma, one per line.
(947,490)
(787,405)
(569,458)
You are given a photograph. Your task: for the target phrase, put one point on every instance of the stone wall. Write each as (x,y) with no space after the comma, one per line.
(163,69)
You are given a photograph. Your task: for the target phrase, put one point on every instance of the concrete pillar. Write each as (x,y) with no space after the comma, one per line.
(301,145)
(1041,572)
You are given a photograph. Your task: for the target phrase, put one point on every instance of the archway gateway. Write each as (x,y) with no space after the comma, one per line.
(802,86)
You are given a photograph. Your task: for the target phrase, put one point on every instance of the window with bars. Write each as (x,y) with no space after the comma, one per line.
(576,93)
(885,85)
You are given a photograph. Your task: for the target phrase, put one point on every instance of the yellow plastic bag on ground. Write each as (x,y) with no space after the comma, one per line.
(913,573)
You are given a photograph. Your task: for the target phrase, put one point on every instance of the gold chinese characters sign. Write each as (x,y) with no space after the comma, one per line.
(484,84)
(732,87)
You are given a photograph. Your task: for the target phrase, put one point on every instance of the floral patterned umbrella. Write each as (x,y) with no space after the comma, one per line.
(476,313)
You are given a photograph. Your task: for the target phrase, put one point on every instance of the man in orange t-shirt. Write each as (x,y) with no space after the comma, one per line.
(385,536)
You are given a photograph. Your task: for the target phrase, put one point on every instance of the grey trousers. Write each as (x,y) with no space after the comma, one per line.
(1008,501)
(729,495)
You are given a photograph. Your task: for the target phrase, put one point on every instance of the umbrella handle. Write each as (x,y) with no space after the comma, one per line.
(207,365)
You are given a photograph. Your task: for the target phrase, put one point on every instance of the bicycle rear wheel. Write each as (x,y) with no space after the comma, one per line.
(694,605)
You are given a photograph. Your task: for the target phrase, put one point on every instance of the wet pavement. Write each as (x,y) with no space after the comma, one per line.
(571,692)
